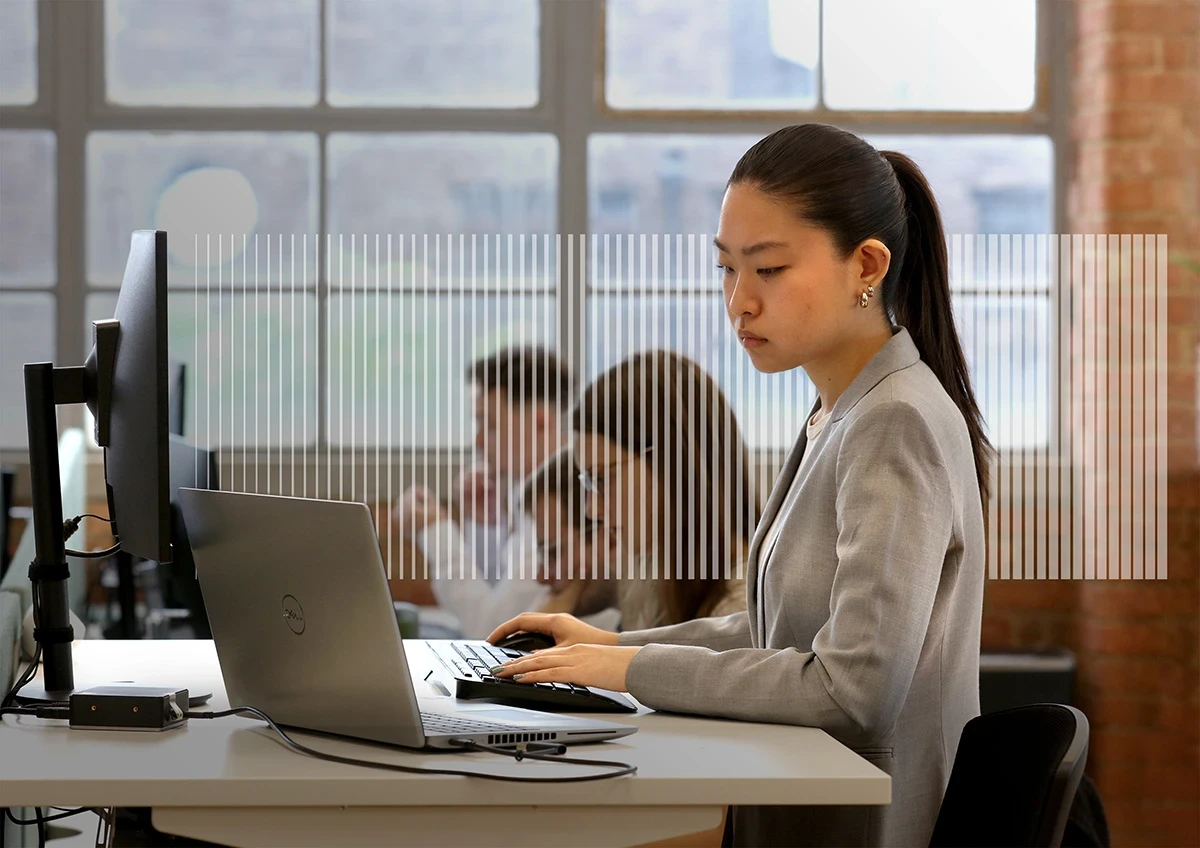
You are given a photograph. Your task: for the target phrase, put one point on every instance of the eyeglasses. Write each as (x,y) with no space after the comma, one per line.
(595,485)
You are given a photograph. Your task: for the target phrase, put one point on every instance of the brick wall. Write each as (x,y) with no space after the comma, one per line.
(1136,169)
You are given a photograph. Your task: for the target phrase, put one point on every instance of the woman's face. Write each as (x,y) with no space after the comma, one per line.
(565,553)
(790,297)
(624,494)
(568,555)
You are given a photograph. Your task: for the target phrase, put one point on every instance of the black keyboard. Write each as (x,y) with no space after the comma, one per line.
(469,663)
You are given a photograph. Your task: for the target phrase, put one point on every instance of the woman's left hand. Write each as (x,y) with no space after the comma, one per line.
(602,666)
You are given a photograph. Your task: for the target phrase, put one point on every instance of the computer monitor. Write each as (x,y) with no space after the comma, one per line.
(124,383)
(175,397)
(191,468)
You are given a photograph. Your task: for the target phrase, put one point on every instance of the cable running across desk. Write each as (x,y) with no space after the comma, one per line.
(619,769)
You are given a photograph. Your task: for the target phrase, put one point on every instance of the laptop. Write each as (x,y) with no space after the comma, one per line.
(305,631)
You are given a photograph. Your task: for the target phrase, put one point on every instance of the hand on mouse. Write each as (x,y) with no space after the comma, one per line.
(565,629)
(602,666)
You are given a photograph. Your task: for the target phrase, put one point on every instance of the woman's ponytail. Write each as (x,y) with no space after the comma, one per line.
(918,298)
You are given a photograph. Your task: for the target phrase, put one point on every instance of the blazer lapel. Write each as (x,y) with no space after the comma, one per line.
(779,490)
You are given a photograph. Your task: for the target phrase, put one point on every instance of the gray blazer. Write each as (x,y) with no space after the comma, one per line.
(864,620)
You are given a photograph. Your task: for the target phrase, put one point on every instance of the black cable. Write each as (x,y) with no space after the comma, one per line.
(24,679)
(96,554)
(72,524)
(58,710)
(466,744)
(46,819)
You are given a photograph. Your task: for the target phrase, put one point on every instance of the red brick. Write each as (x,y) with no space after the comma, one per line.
(1118,195)
(1127,159)
(1167,782)
(1183,492)
(1138,600)
(1114,122)
(1115,747)
(1139,675)
(1138,51)
(1180,52)
(995,633)
(1169,638)
(1183,309)
(1031,595)
(1181,385)
(1163,16)
(1175,87)
(1095,18)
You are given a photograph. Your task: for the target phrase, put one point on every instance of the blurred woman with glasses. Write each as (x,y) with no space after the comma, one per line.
(667,476)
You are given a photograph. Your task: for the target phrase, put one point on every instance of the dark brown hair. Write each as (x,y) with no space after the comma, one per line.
(524,375)
(662,400)
(840,183)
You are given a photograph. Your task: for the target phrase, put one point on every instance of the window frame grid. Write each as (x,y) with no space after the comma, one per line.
(571,106)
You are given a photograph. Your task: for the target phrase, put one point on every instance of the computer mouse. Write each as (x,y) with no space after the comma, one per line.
(526,641)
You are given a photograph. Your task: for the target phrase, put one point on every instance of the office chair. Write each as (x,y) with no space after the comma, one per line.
(1014,778)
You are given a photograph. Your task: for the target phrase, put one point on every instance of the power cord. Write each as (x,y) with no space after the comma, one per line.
(55,711)
(25,677)
(72,524)
(42,820)
(107,552)
(519,754)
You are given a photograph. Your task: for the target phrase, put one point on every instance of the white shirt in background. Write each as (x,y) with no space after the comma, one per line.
(460,582)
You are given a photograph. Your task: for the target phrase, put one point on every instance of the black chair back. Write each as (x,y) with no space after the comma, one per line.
(1014,778)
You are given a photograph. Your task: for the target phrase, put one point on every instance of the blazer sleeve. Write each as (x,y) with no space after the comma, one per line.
(712,634)
(894,507)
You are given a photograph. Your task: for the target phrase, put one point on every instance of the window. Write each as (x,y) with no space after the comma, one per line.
(18,52)
(361,196)
(263,53)
(417,53)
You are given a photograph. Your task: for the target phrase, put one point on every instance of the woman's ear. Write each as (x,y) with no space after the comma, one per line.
(872,260)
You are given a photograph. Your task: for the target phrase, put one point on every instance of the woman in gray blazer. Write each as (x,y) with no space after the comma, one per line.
(865,575)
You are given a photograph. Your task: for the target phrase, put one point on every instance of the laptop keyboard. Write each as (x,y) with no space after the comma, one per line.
(470,662)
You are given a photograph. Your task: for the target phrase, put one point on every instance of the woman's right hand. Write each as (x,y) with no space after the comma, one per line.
(563,628)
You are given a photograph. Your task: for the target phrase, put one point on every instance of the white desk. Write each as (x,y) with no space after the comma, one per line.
(231,781)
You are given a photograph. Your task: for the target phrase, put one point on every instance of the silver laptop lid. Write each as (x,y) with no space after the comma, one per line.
(303,631)
(304,628)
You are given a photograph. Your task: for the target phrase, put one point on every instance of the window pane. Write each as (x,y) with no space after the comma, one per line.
(417,53)
(197,186)
(932,54)
(251,365)
(770,408)
(27,206)
(657,184)
(441,183)
(1009,349)
(214,53)
(18,52)
(397,364)
(986,185)
(735,54)
(26,335)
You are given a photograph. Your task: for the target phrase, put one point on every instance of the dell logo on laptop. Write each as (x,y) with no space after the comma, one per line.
(293,614)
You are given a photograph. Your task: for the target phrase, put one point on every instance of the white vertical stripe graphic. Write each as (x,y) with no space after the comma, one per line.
(1065,336)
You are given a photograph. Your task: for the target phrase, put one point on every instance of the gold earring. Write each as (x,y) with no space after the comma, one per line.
(869,293)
